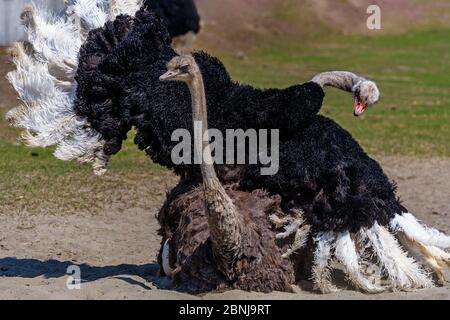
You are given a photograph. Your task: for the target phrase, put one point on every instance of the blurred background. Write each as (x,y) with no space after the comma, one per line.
(270,43)
(11,29)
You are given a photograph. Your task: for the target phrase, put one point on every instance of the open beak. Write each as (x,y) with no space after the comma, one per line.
(358,107)
(169,75)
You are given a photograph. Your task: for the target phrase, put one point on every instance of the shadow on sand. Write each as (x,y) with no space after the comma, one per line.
(32,268)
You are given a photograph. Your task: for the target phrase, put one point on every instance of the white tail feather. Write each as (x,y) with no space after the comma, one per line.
(321,265)
(44,79)
(165,259)
(407,223)
(91,14)
(345,252)
(373,254)
(402,270)
(433,258)
(54,38)
(128,7)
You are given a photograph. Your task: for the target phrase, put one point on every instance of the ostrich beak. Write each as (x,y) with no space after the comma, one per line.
(358,107)
(169,75)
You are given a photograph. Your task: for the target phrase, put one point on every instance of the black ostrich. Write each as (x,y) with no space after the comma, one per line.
(343,194)
(181,16)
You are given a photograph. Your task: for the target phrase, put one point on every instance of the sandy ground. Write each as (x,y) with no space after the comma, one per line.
(116,250)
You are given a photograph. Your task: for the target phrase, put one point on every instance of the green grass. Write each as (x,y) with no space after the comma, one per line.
(33,181)
(17,158)
(412,71)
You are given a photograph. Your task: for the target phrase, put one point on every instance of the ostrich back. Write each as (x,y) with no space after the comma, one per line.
(119,87)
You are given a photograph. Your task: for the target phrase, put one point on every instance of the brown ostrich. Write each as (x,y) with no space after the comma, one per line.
(215,237)
(220,237)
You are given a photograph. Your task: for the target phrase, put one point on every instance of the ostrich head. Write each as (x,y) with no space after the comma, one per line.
(181,68)
(365,93)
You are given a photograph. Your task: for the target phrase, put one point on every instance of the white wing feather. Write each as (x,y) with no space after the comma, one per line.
(44,78)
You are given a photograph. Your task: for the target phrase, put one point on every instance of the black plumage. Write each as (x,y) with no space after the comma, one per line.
(323,170)
(181,16)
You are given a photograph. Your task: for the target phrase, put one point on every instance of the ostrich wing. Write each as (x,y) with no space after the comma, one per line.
(44,79)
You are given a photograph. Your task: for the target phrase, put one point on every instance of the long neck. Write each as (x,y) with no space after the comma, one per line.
(343,80)
(200,118)
(225,222)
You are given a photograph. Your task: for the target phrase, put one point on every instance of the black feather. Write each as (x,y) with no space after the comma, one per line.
(181,16)
(323,170)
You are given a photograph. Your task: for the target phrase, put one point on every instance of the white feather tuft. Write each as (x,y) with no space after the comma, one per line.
(435,259)
(129,7)
(372,254)
(89,14)
(321,265)
(44,79)
(407,223)
(165,259)
(345,252)
(403,272)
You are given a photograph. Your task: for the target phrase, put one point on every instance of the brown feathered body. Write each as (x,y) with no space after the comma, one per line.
(261,267)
